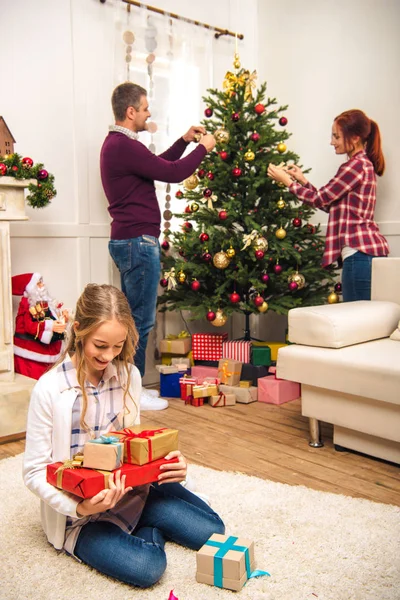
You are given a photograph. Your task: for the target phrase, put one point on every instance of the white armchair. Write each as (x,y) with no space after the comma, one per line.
(349,368)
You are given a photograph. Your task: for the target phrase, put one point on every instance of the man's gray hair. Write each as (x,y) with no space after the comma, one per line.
(125,95)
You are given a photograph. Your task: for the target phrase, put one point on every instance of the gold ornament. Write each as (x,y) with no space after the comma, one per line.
(249,155)
(194,207)
(197,137)
(230,252)
(221,136)
(333,298)
(191,182)
(220,319)
(281,148)
(281,203)
(260,244)
(181,277)
(236,62)
(221,260)
(263,308)
(280,233)
(297,278)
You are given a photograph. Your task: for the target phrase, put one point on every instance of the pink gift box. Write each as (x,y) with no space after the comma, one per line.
(277,391)
(201,373)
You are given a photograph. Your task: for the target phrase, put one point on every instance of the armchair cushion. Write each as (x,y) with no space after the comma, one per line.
(396,334)
(343,324)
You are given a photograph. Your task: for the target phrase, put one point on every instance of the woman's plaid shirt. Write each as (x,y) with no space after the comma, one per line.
(349,198)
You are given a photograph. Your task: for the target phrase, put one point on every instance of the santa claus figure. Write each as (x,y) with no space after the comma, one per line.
(40,326)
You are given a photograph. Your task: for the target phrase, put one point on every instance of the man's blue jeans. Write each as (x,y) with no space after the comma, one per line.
(356,277)
(138,261)
(171,513)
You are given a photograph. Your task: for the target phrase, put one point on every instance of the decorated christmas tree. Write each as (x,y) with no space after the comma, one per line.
(246,244)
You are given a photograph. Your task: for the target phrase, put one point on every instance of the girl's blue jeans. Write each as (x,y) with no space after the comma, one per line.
(138,261)
(356,277)
(171,513)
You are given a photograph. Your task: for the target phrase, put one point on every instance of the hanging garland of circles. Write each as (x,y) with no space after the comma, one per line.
(167,214)
(42,190)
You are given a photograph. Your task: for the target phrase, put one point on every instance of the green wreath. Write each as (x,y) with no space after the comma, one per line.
(40,193)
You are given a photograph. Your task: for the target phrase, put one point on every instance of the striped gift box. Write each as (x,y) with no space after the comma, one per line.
(239,350)
(208,346)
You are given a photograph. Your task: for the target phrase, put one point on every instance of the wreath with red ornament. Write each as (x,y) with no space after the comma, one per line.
(40,191)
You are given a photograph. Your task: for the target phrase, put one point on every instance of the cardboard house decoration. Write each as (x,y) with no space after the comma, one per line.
(6,139)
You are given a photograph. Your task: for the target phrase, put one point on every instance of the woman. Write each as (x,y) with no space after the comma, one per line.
(350,199)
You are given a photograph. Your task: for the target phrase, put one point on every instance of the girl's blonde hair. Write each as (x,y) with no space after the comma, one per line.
(96,305)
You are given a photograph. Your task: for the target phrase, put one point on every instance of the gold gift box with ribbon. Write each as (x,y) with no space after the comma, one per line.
(204,391)
(229,371)
(176,344)
(145,443)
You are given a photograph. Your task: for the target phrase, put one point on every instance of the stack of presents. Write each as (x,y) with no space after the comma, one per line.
(207,368)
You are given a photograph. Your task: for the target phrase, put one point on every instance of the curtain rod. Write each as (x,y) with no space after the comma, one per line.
(159,11)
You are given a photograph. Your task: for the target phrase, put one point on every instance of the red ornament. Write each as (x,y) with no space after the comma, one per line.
(42,175)
(236,172)
(163,283)
(165,245)
(3,169)
(187,226)
(283,121)
(207,193)
(204,237)
(258,300)
(27,162)
(255,136)
(259,108)
(195,285)
(338,287)
(223,215)
(187,209)
(278,269)
(210,175)
(310,228)
(259,254)
(264,277)
(14,168)
(208,112)
(293,286)
(207,257)
(223,155)
(235,117)
(211,316)
(234,298)
(201,173)
(296,222)
(179,194)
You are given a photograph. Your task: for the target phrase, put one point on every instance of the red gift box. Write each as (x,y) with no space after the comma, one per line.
(86,483)
(194,401)
(208,346)
(186,385)
(240,351)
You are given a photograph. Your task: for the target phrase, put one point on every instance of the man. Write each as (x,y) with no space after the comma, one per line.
(128,170)
(39,328)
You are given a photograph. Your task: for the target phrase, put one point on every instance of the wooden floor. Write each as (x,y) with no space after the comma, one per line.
(270,442)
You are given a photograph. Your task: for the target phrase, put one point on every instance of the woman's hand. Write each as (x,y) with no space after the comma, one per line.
(105,499)
(297,173)
(174,472)
(279,175)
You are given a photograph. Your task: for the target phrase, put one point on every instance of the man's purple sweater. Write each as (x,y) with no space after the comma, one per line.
(128,170)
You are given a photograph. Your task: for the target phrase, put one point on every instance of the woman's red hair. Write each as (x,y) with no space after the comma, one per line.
(356,123)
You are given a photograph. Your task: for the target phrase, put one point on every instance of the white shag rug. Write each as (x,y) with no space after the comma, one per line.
(314,545)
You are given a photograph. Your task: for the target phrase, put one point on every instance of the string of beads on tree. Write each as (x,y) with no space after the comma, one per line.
(41,191)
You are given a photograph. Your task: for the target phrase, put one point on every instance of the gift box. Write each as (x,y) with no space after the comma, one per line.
(186,384)
(243,395)
(201,373)
(169,385)
(168,369)
(239,350)
(277,391)
(208,346)
(225,561)
(261,356)
(167,359)
(229,371)
(194,401)
(86,483)
(274,346)
(222,400)
(176,344)
(245,383)
(105,453)
(206,363)
(253,373)
(204,390)
(144,444)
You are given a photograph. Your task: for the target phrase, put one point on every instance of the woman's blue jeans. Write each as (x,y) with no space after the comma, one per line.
(356,277)
(138,261)
(171,513)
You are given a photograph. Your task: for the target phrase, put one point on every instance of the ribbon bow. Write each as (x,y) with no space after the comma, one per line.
(250,83)
(231,81)
(181,335)
(209,200)
(222,398)
(249,238)
(71,463)
(104,439)
(170,277)
(127,434)
(225,373)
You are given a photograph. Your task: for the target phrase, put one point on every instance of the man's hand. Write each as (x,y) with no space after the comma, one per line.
(193,132)
(174,472)
(105,499)
(208,141)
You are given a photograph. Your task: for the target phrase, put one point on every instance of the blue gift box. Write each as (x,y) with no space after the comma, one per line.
(169,384)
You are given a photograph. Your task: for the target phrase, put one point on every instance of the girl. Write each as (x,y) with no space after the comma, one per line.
(349,198)
(95,389)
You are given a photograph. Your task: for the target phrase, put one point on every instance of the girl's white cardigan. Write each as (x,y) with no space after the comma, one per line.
(48,440)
